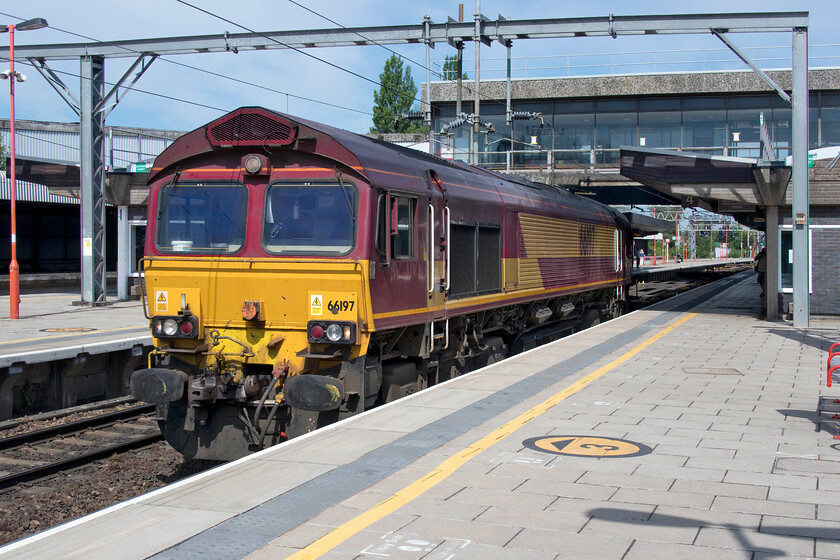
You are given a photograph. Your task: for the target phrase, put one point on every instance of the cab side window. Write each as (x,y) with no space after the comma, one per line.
(402,246)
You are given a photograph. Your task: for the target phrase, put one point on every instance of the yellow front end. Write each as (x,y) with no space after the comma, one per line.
(253,325)
(287,295)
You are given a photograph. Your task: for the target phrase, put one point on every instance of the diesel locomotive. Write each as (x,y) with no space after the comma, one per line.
(296,274)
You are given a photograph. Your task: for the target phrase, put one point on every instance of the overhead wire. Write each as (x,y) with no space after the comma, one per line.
(301,51)
(273,40)
(204,70)
(444,78)
(310,55)
(402,56)
(181,100)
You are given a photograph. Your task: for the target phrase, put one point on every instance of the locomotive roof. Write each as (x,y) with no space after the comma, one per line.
(369,156)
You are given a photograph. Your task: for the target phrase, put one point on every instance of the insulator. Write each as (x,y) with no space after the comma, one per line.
(524,115)
(413,115)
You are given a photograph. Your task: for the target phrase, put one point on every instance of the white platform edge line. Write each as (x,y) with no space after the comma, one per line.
(69,351)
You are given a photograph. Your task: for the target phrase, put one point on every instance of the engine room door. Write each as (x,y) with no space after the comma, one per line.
(401,274)
(437,257)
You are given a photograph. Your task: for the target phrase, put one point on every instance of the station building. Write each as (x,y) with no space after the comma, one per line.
(584,122)
(575,141)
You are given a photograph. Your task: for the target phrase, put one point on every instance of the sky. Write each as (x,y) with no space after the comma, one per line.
(178,98)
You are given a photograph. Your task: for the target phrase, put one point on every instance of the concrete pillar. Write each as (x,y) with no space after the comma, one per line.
(772,183)
(123,252)
(771,278)
(799,143)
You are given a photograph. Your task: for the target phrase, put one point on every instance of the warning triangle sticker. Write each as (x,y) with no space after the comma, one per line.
(316,301)
(162,297)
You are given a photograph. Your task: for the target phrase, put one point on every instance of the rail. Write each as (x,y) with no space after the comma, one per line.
(51,433)
(44,471)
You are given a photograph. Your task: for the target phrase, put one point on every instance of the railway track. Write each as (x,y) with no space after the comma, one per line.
(42,453)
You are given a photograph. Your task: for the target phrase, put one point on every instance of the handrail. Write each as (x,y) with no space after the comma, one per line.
(660,60)
(444,287)
(430,280)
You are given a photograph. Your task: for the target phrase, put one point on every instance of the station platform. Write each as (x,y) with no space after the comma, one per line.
(684,430)
(655,271)
(52,326)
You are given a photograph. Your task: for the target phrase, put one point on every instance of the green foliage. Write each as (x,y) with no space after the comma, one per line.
(740,245)
(417,128)
(450,69)
(394,97)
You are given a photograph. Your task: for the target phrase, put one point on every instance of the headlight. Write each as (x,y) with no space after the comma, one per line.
(170,327)
(334,332)
(338,332)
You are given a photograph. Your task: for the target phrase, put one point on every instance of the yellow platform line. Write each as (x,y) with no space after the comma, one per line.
(452,464)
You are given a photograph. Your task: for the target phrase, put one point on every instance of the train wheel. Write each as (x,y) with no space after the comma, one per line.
(591,318)
(496,351)
(620,309)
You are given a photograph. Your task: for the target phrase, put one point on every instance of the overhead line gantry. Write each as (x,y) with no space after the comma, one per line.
(94,104)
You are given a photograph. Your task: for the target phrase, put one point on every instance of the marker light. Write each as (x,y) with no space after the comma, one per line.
(182,326)
(316,332)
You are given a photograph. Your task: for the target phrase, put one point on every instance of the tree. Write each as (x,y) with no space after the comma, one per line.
(394,97)
(450,69)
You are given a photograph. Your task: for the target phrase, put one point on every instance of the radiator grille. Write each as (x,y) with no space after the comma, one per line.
(462,260)
(476,265)
(252,129)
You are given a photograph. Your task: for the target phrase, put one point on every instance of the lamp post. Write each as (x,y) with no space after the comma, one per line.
(12,76)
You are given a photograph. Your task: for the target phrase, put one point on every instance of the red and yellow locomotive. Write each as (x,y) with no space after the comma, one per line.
(296,274)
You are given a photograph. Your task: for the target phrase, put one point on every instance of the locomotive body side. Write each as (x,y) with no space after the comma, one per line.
(296,274)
